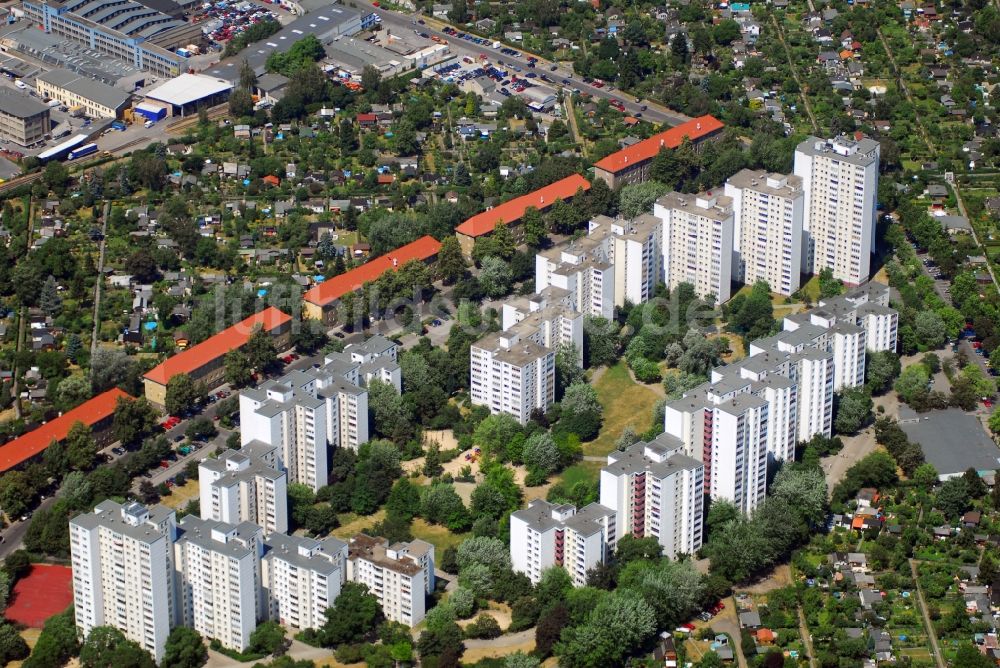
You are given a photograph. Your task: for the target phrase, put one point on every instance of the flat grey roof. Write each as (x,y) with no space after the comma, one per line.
(95,91)
(17,104)
(953,441)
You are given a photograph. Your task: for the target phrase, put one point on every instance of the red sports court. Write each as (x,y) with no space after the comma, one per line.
(46,591)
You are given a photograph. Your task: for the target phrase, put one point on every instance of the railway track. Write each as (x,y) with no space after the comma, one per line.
(216,112)
(80,164)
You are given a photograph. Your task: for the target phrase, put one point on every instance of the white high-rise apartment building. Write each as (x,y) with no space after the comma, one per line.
(618,261)
(840,180)
(375,359)
(307,413)
(400,575)
(302,578)
(544,535)
(768,211)
(698,242)
(511,375)
(123,565)
(656,490)
(218,579)
(237,487)
(580,273)
(726,427)
(551,326)
(634,248)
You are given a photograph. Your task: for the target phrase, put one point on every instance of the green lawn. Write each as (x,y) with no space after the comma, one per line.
(811,289)
(581,472)
(625,403)
(437,535)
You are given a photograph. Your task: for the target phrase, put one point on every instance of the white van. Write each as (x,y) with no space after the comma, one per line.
(20,84)
(149,124)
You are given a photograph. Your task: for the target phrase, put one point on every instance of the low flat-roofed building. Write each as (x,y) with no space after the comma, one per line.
(184,94)
(952,440)
(98,100)
(23,120)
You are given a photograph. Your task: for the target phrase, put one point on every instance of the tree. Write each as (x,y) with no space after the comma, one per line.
(107,647)
(463,602)
(15,493)
(268,638)
(81,449)
(627,439)
(953,498)
(912,382)
(673,589)
(541,453)
(110,367)
(238,370)
(534,226)
(726,32)
(49,300)
(371,78)
(182,394)
(631,549)
(12,645)
(134,419)
(930,329)
(403,501)
(432,461)
(184,649)
(73,391)
(240,103)
(451,263)
(881,369)
(581,411)
(57,642)
(495,277)
(618,625)
(56,176)
(440,504)
(853,409)
(968,656)
(489,552)
(353,618)
(803,489)
(260,350)
(925,475)
(309,337)
(636,199)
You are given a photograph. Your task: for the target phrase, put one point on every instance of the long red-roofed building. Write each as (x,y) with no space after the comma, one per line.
(631,164)
(96,413)
(204,361)
(510,212)
(320,302)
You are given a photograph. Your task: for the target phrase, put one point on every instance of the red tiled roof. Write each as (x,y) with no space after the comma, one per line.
(216,346)
(366,118)
(512,210)
(386,178)
(694,130)
(89,413)
(272,179)
(334,288)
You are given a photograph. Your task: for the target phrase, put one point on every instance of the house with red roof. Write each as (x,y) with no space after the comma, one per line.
(320,302)
(631,164)
(272,180)
(97,413)
(204,362)
(367,120)
(510,212)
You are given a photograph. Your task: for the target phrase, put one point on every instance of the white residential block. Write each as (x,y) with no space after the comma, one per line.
(840,179)
(545,535)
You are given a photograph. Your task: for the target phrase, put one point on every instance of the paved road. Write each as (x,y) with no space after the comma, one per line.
(401,23)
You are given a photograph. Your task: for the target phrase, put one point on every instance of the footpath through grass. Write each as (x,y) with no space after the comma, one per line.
(625,402)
